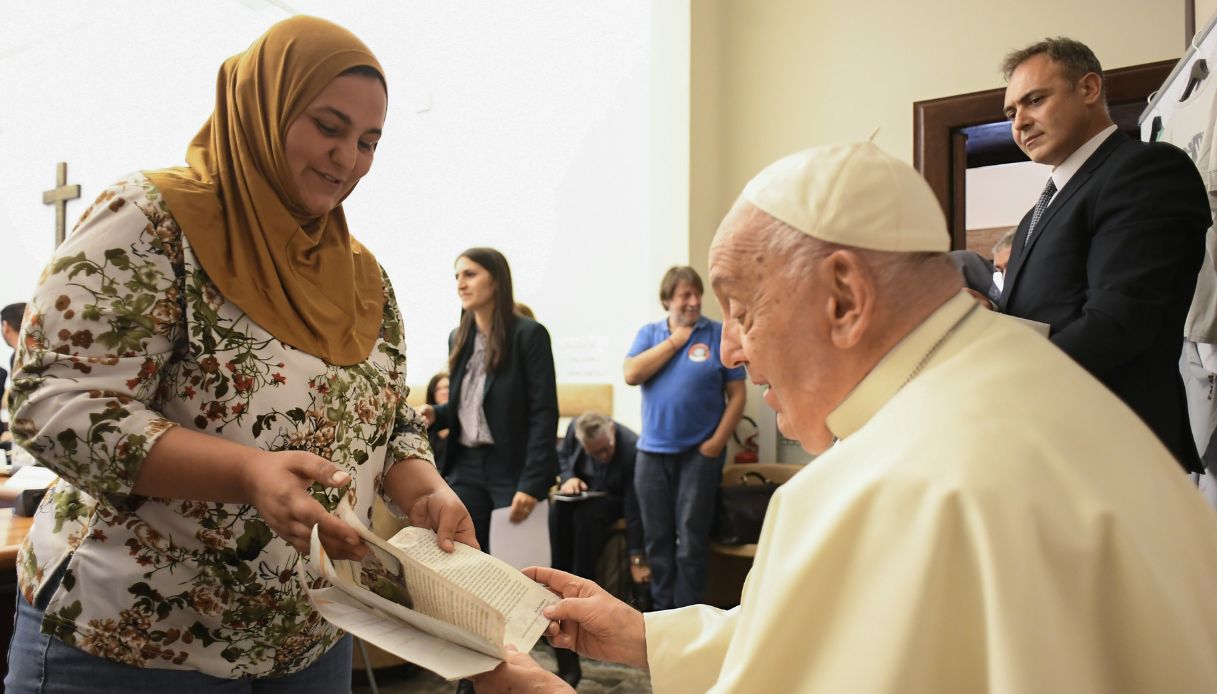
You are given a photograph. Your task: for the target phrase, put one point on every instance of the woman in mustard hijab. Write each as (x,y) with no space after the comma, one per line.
(209,361)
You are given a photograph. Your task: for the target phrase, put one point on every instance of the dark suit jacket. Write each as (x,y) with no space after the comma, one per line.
(617,479)
(977,272)
(521,406)
(3,426)
(1112,268)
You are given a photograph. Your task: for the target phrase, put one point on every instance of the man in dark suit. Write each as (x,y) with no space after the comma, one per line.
(596,463)
(597,457)
(1108,256)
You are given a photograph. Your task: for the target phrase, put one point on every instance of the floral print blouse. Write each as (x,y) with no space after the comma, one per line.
(125,338)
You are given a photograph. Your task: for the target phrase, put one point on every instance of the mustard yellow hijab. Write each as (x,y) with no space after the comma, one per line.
(303,278)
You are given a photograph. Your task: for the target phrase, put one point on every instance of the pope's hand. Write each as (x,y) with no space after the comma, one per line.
(590,621)
(519,673)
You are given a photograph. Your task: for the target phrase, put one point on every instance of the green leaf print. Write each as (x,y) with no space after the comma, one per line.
(251,542)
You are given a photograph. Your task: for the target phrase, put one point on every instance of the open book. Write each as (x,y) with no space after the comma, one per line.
(453,614)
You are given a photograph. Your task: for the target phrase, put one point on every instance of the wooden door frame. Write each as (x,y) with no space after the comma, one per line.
(937,122)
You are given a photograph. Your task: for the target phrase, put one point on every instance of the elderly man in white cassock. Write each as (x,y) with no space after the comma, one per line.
(940,543)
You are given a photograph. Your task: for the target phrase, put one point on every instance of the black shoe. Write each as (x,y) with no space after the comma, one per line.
(568,666)
(464,687)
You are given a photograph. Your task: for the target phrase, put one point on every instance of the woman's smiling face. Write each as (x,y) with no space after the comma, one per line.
(332,144)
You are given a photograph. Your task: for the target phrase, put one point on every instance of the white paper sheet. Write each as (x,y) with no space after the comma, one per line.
(31,477)
(521,544)
(445,659)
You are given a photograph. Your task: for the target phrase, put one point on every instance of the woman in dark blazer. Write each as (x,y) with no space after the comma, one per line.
(502,411)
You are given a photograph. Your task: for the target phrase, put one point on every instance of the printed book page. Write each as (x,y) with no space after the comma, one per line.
(450,613)
(419,587)
(504,588)
(430,643)
(341,578)
(442,657)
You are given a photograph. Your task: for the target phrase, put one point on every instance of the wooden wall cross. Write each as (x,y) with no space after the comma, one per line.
(59,197)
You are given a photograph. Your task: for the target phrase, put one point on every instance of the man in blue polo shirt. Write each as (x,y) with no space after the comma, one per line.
(690,405)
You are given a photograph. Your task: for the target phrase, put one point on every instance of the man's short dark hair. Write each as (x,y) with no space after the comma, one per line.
(12,314)
(674,276)
(1074,56)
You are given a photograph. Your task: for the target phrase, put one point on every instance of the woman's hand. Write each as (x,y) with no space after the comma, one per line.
(442,511)
(521,506)
(277,484)
(428,413)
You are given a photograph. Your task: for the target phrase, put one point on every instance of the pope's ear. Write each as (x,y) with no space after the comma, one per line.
(851,297)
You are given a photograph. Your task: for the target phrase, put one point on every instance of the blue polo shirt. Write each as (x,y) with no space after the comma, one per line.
(683,402)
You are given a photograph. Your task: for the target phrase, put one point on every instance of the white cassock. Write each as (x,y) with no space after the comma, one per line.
(1002,523)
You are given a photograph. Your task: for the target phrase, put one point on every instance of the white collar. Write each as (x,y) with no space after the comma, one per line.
(1073,163)
(902,362)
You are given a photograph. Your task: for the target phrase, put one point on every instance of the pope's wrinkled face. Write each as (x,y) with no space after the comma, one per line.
(775,324)
(331,145)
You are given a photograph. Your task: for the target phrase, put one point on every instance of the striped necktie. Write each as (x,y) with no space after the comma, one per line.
(1040,206)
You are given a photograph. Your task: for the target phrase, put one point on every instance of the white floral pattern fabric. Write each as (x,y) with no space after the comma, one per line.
(127,337)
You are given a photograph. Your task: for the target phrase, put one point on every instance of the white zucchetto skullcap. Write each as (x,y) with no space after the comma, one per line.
(854,195)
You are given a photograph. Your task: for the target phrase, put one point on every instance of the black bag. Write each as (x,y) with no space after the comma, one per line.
(741,510)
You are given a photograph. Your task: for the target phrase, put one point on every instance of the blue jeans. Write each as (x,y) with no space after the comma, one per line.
(676,495)
(39,663)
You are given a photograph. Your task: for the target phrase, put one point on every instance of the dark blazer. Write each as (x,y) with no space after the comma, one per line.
(521,406)
(977,272)
(617,480)
(1112,268)
(3,426)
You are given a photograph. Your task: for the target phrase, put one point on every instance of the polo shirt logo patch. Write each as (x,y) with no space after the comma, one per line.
(699,352)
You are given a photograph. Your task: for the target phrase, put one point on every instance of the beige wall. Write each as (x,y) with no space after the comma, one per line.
(773,76)
(707,162)
(1205,12)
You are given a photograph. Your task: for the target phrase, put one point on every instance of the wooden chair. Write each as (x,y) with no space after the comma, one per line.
(573,400)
